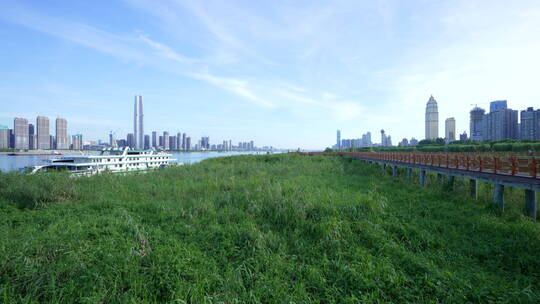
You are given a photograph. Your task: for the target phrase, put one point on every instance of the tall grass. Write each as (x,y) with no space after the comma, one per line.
(251,229)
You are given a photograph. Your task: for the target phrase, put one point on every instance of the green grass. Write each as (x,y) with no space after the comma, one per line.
(261,229)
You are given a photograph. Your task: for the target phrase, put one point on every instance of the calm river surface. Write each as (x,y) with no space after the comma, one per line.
(9,163)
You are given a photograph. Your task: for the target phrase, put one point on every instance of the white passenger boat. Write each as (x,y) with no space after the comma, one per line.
(108,160)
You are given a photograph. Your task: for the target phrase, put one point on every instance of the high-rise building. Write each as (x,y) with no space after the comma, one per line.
(184,143)
(130,140)
(188,143)
(61,134)
(497,105)
(77,142)
(366,140)
(20,133)
(338,139)
(178,141)
(52,142)
(155,139)
(500,124)
(172,142)
(112,140)
(476,125)
(166,142)
(43,133)
(432,119)
(146,142)
(530,124)
(450,129)
(138,123)
(205,143)
(4,137)
(463,137)
(32,138)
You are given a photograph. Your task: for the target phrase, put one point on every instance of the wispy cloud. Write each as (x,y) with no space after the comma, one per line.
(166,51)
(236,86)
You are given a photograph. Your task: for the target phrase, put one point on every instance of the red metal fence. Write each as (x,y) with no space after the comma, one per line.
(506,163)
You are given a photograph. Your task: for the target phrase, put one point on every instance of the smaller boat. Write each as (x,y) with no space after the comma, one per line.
(109,160)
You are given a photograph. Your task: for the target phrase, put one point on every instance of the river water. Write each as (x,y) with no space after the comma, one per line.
(9,163)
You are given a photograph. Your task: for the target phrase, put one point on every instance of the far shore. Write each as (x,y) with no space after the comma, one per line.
(44,152)
(65,152)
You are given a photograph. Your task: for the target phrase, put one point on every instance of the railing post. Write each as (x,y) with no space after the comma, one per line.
(473,188)
(498,195)
(530,203)
(451,180)
(533,169)
(423,178)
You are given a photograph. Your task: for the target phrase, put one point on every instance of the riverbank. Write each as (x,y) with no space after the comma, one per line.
(45,152)
(275,229)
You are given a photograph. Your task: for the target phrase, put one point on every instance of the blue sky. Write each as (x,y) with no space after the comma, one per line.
(282,73)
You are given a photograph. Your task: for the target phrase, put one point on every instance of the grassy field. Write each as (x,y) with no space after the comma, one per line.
(261,229)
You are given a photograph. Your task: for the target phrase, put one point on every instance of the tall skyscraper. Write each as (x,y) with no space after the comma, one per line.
(61,134)
(77,142)
(138,123)
(383,139)
(146,142)
(432,119)
(530,124)
(178,141)
(338,139)
(20,133)
(155,138)
(188,143)
(476,125)
(130,140)
(450,129)
(497,105)
(166,142)
(112,140)
(4,137)
(32,138)
(172,142)
(43,133)
(501,123)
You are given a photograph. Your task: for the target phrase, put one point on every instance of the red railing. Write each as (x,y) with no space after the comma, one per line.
(505,163)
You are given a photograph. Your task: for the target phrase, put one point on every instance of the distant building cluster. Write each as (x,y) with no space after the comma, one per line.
(408,143)
(502,123)
(499,124)
(362,142)
(170,141)
(28,136)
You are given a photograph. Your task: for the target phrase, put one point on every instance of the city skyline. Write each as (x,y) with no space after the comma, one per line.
(265,70)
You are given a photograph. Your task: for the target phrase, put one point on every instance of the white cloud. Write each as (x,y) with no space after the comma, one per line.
(236,86)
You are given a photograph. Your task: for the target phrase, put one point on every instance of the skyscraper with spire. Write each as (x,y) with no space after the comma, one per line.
(138,123)
(432,119)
